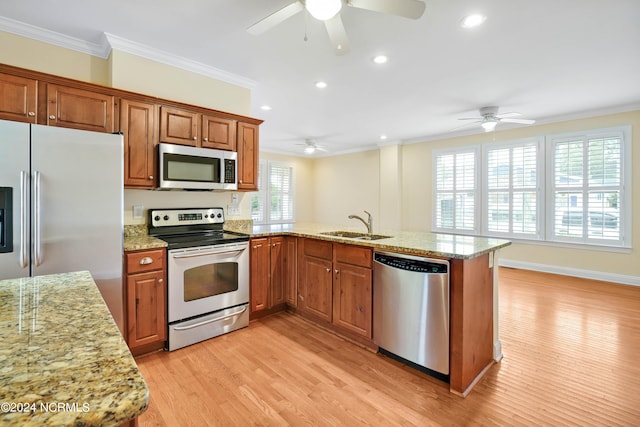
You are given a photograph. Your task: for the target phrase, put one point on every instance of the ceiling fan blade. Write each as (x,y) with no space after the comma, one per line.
(337,35)
(275,18)
(520,121)
(407,8)
(505,115)
(465,125)
(471,118)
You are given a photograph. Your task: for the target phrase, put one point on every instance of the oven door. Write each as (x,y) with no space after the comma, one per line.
(206,279)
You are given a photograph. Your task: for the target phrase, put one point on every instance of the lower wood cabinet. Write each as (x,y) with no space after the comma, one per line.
(267,274)
(146,300)
(335,285)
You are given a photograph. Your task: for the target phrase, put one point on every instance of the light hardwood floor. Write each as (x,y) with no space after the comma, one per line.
(571,357)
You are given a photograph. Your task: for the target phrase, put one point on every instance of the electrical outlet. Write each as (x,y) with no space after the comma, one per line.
(138,211)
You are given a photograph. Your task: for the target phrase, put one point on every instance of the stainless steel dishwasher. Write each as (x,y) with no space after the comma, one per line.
(411,310)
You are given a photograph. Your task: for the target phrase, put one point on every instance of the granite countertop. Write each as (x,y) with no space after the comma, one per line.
(136,238)
(62,358)
(408,242)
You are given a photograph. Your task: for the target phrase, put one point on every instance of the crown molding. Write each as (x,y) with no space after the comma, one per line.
(148,52)
(101,50)
(110,41)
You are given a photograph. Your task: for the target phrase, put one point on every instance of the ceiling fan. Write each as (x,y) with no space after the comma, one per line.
(489,118)
(329,12)
(311,147)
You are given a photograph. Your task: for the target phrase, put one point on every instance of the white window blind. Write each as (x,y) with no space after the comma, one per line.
(456,190)
(512,196)
(274,202)
(588,196)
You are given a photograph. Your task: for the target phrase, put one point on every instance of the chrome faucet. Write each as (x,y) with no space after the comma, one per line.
(368,223)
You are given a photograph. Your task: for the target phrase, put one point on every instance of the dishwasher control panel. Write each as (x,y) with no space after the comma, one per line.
(414,264)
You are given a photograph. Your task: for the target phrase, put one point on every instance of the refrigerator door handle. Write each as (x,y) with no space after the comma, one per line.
(36,220)
(24,186)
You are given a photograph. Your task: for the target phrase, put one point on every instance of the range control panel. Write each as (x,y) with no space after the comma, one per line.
(193,216)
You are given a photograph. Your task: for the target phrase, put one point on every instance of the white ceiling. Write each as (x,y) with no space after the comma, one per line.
(548,59)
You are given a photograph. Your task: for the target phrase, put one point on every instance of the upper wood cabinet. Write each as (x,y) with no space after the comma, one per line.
(18,98)
(248,156)
(179,126)
(79,109)
(218,133)
(138,124)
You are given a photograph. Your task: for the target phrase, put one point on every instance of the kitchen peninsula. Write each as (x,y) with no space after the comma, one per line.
(63,360)
(474,344)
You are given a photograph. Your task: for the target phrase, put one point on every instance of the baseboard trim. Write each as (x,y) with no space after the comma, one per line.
(567,271)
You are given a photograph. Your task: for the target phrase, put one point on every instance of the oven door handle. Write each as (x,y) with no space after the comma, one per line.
(206,322)
(193,255)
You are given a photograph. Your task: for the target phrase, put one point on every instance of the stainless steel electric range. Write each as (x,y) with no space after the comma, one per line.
(208,274)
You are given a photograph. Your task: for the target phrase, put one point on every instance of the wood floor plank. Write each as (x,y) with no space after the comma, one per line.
(570,346)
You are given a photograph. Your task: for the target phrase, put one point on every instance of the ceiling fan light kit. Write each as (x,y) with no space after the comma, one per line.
(323,9)
(328,11)
(489,119)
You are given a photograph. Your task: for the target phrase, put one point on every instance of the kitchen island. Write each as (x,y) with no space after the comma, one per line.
(474,344)
(63,360)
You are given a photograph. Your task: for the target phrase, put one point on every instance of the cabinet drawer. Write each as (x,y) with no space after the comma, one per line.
(138,262)
(354,255)
(318,248)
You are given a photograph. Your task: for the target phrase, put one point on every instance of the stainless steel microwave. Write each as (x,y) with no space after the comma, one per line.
(194,168)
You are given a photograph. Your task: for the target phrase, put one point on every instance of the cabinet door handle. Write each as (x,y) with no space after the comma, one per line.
(31,114)
(52,117)
(337,271)
(328,270)
(194,138)
(150,176)
(160,281)
(205,139)
(146,260)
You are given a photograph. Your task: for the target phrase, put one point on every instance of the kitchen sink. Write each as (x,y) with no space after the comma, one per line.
(354,235)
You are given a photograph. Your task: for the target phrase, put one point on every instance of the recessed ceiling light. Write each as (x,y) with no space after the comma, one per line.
(472,21)
(383,137)
(380,59)
(265,107)
(321,85)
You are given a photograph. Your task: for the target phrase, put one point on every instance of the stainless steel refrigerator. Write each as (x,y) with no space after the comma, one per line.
(61,200)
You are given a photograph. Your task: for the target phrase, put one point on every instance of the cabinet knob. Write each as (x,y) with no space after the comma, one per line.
(205,139)
(194,138)
(337,271)
(146,260)
(328,270)
(52,117)
(150,176)
(160,281)
(31,114)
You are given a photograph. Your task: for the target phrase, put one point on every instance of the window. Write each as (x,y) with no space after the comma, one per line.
(456,190)
(587,188)
(274,201)
(578,192)
(511,188)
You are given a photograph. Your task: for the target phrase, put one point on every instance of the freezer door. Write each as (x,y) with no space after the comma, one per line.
(14,174)
(77,207)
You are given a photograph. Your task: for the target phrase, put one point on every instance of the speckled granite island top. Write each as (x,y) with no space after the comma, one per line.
(63,361)
(409,242)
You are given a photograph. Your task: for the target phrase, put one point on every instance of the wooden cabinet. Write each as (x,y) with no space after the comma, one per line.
(335,285)
(218,133)
(291,270)
(267,274)
(146,301)
(79,109)
(179,126)
(19,98)
(189,127)
(247,156)
(138,124)
(352,293)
